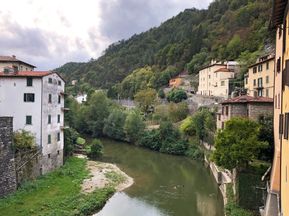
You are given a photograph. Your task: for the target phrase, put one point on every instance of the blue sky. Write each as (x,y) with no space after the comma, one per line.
(49,33)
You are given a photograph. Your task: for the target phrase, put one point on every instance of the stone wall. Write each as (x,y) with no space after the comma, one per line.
(7,165)
(257,109)
(52,161)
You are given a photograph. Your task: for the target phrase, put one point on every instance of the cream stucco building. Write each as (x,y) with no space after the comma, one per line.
(11,63)
(259,81)
(214,79)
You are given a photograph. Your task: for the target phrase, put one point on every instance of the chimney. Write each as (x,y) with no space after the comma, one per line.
(14,56)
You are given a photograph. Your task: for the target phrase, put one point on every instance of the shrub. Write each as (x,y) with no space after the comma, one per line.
(151,140)
(70,138)
(176,95)
(94,150)
(24,140)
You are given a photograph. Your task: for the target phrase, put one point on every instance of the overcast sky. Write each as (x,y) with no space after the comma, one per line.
(49,33)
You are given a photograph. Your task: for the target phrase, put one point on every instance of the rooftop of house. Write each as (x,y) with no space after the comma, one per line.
(25,74)
(13,59)
(224,70)
(279,7)
(248,99)
(263,59)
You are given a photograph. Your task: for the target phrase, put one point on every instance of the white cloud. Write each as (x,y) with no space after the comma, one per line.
(49,33)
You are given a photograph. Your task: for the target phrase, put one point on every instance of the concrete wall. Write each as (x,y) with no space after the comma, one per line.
(7,166)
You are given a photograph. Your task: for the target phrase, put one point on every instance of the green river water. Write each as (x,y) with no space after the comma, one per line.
(164,185)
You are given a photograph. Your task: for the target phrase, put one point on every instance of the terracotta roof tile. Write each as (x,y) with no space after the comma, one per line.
(248,99)
(26,74)
(13,59)
(224,70)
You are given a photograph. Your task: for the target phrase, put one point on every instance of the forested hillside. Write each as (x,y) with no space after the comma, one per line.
(228,29)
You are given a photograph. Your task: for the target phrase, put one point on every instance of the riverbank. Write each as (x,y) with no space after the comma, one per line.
(65,191)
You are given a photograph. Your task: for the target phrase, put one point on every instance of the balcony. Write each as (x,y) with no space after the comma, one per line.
(64,127)
(64,109)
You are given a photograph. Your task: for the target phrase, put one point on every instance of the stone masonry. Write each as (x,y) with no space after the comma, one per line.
(8,182)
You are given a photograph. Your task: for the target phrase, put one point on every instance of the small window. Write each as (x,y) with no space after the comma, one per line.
(29,97)
(227,110)
(267,65)
(58,118)
(59,82)
(246,81)
(260,92)
(29,81)
(219,117)
(260,82)
(260,67)
(59,99)
(267,79)
(254,82)
(281,116)
(58,152)
(286,127)
(267,92)
(223,108)
(279,65)
(49,119)
(222,83)
(49,139)
(48,155)
(49,98)
(49,80)
(29,120)
(58,136)
(254,69)
(223,125)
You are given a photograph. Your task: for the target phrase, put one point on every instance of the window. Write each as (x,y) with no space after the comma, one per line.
(267,79)
(227,110)
(58,136)
(29,120)
(29,97)
(255,94)
(49,98)
(49,80)
(209,76)
(254,69)
(49,139)
(281,124)
(260,67)
(286,127)
(48,155)
(219,117)
(223,125)
(222,83)
(59,99)
(267,65)
(29,81)
(254,82)
(49,119)
(279,65)
(285,77)
(260,92)
(58,152)
(58,118)
(246,81)
(279,101)
(59,82)
(260,82)
(267,92)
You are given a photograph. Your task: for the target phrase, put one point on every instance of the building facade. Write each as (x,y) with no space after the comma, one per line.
(36,102)
(214,79)
(12,64)
(259,81)
(244,106)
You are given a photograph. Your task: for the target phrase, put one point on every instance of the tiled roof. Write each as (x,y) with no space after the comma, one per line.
(248,99)
(26,74)
(224,70)
(13,59)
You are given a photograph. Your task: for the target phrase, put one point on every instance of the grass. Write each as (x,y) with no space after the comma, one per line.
(115,178)
(57,193)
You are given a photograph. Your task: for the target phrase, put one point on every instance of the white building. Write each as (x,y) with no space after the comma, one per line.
(214,79)
(11,63)
(35,100)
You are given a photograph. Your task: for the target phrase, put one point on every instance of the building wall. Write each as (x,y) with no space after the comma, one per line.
(268,90)
(21,66)
(285,142)
(53,152)
(221,83)
(12,104)
(8,182)
(255,110)
(206,79)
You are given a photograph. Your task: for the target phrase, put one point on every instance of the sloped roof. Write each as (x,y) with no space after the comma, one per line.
(279,7)
(26,74)
(223,70)
(248,99)
(13,59)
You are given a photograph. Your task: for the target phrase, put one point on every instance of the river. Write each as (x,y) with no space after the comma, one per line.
(164,185)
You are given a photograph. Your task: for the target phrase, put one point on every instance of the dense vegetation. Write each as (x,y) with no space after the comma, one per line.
(228,29)
(57,193)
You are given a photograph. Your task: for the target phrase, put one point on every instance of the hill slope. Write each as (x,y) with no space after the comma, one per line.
(228,29)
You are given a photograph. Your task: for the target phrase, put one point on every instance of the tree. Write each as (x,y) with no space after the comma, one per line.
(267,135)
(177,95)
(238,144)
(161,94)
(178,112)
(146,99)
(187,127)
(94,150)
(114,125)
(70,137)
(23,139)
(134,127)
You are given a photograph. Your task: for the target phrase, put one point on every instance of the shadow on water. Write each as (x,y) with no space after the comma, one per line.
(164,184)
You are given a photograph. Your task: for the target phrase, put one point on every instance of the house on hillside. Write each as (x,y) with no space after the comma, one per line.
(215,79)
(35,100)
(259,81)
(243,106)
(12,64)
(178,80)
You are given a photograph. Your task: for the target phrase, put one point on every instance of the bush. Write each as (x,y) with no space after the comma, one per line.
(161,94)
(94,150)
(194,152)
(80,141)
(176,95)
(151,140)
(24,140)
(70,138)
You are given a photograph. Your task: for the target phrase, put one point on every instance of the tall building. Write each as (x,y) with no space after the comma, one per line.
(35,100)
(278,192)
(259,81)
(11,63)
(215,79)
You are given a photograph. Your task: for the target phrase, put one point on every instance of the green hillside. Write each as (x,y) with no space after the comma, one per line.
(228,29)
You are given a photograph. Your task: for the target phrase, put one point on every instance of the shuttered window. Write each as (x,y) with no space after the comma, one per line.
(281,117)
(286,127)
